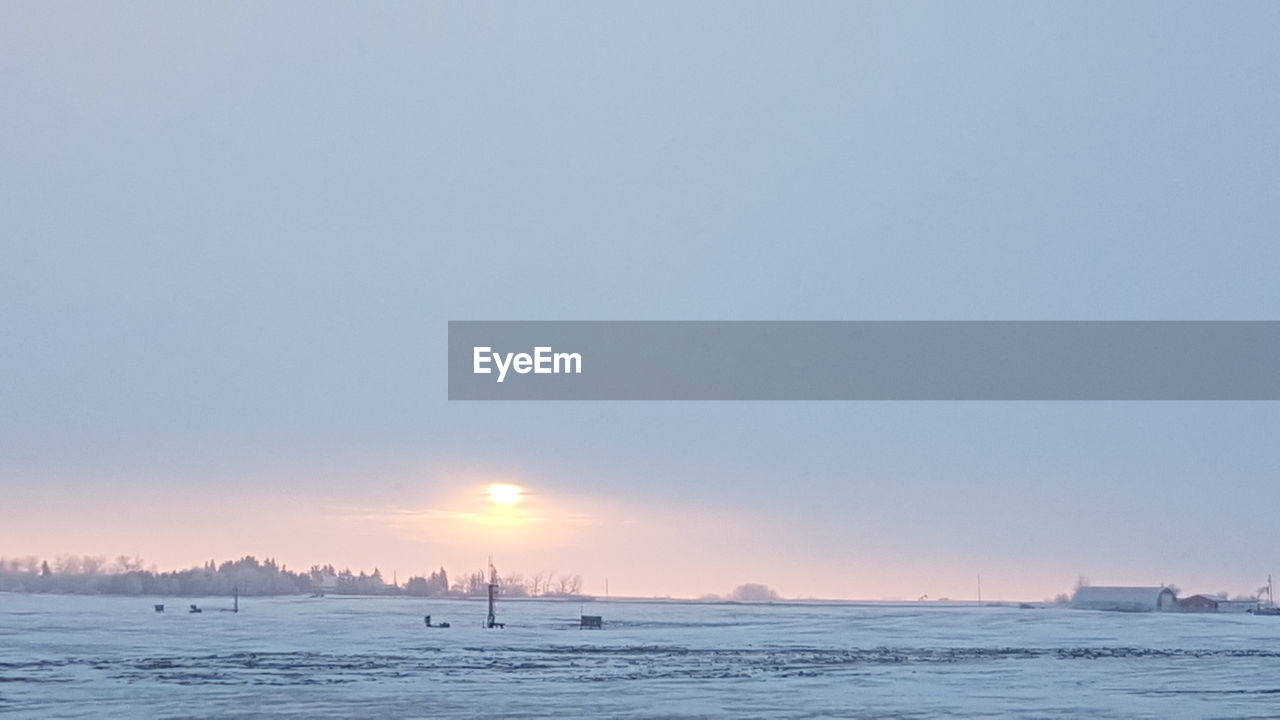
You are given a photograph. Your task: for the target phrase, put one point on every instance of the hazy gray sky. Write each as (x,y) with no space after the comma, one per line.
(233,234)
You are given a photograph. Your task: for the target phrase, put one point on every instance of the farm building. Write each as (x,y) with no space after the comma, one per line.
(1238,606)
(1198,603)
(1217,603)
(1125,599)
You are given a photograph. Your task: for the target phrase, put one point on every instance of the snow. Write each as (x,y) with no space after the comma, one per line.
(81,656)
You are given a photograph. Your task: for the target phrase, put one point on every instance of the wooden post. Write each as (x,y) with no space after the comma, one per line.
(489,621)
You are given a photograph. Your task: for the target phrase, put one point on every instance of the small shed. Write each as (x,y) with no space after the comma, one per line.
(591,622)
(1125,599)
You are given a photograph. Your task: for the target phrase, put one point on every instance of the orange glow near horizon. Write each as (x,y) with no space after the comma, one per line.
(495,515)
(640,545)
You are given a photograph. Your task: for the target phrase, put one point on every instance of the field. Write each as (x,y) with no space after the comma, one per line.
(83,656)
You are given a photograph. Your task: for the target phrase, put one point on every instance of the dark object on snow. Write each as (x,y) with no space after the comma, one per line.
(159,607)
(235,608)
(195,608)
(591,622)
(427,621)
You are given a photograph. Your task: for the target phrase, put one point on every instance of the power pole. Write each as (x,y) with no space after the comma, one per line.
(492,619)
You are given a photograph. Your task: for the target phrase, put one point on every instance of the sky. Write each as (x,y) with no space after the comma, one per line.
(232,234)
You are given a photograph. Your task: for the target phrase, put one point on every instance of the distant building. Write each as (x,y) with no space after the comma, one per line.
(1125,599)
(1238,606)
(1198,603)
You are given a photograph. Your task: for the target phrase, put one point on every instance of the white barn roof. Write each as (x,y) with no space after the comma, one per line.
(1131,599)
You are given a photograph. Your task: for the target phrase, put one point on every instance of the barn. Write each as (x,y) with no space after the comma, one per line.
(1198,603)
(1238,606)
(1125,599)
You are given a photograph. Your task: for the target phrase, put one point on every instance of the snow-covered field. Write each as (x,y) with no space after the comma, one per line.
(74,656)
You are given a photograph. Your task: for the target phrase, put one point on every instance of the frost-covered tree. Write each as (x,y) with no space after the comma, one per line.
(753,592)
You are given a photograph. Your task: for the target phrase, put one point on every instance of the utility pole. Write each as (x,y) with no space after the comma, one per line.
(492,619)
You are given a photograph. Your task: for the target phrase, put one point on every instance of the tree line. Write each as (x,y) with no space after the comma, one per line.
(250,576)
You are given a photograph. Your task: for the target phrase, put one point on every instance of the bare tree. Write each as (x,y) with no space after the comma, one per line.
(569,585)
(540,583)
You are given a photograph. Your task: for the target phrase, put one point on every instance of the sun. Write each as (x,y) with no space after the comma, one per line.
(505,494)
